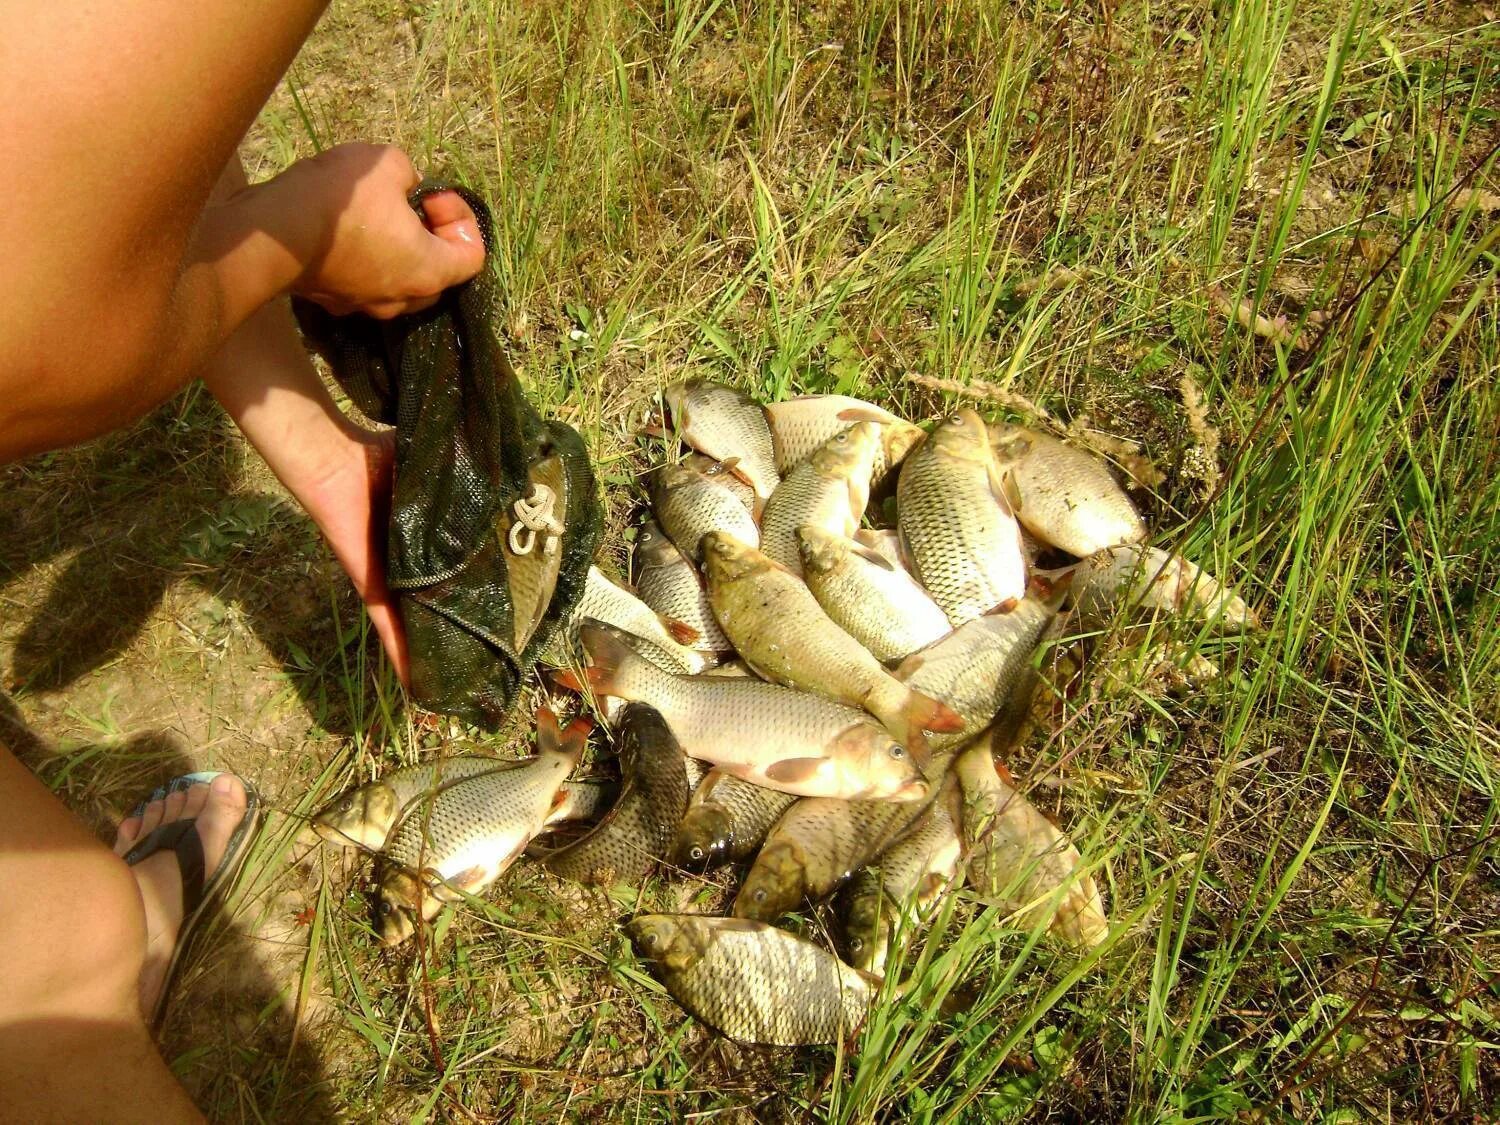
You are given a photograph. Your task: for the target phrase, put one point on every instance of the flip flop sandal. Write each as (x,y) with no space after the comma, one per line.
(181,837)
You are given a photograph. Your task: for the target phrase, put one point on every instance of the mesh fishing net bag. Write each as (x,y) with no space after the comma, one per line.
(495,514)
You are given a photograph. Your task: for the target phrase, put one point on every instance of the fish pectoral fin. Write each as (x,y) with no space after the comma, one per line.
(926,713)
(732,467)
(682,632)
(792,771)
(1004,607)
(871,556)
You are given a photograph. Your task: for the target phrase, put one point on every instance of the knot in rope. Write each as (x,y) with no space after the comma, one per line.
(534,517)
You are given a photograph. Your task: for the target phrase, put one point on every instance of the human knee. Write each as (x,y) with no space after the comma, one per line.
(91,948)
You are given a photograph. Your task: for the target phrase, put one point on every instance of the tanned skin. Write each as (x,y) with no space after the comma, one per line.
(133,259)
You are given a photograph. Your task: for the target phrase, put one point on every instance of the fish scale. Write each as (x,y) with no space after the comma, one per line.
(964,545)
(689,505)
(753,982)
(911,875)
(830,490)
(478,815)
(464,836)
(727,820)
(773,735)
(982,668)
(725,424)
(670,585)
(800,425)
(641,827)
(364,817)
(1020,860)
(814,848)
(1062,495)
(784,634)
(878,604)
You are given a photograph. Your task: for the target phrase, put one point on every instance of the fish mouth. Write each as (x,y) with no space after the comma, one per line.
(339,837)
(913,789)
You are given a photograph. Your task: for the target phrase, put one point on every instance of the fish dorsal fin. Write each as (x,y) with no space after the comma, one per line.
(738,925)
(855,414)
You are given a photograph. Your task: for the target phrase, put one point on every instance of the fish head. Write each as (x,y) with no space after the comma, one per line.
(849,454)
(774,884)
(704,837)
(362,818)
(898,439)
(396,904)
(877,766)
(725,558)
(667,479)
(822,552)
(1010,442)
(867,932)
(653,548)
(962,436)
(665,939)
(678,399)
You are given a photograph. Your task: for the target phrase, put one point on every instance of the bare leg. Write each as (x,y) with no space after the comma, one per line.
(80,929)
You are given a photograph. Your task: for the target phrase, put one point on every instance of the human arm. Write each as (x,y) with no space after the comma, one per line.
(120,279)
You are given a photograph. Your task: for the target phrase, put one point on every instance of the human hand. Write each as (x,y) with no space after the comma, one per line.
(364,247)
(351,506)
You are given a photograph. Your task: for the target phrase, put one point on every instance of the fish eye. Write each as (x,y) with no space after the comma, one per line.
(695,853)
(346,804)
(759,894)
(856,945)
(383,908)
(842,438)
(896,751)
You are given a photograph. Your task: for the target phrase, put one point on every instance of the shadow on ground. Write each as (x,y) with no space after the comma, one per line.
(122,520)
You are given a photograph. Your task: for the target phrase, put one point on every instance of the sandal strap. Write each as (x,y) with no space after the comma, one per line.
(181,836)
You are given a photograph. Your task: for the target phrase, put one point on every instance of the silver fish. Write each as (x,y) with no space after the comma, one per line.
(800,425)
(830,490)
(774,736)
(983,668)
(1020,860)
(962,540)
(727,425)
(753,982)
(1137,579)
(689,505)
(463,838)
(671,585)
(881,606)
(1063,495)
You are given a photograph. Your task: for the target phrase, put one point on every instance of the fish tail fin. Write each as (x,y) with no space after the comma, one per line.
(584,682)
(925,713)
(551,738)
(612,662)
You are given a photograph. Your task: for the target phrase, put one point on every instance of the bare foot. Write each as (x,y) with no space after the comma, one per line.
(218,808)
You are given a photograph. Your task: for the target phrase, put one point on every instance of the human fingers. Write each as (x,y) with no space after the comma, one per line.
(453,241)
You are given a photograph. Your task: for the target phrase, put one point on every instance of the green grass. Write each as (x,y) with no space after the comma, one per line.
(1051,204)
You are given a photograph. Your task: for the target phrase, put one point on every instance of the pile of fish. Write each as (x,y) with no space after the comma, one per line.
(793,686)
